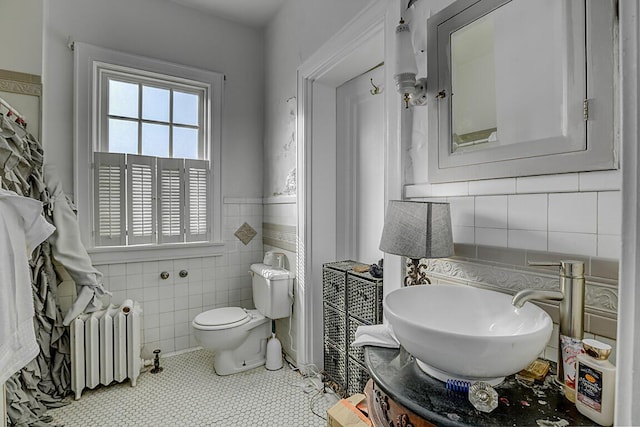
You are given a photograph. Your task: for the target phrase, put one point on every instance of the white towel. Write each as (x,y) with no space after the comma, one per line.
(376,335)
(22,228)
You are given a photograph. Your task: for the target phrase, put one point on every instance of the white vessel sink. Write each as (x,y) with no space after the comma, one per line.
(466,333)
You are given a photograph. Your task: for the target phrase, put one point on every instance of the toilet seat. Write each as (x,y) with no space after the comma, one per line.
(221,318)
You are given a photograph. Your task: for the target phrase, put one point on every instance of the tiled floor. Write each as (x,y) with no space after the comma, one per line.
(189,393)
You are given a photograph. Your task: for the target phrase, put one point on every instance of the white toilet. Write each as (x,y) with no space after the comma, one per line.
(239,336)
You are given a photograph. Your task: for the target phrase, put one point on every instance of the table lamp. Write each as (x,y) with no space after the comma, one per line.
(417,230)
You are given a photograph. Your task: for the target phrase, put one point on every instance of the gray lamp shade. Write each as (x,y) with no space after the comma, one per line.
(417,230)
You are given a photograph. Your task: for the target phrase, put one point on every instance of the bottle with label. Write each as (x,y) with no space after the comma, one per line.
(595,382)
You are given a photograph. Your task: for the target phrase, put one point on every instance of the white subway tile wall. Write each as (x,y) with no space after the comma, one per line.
(567,182)
(491,236)
(576,213)
(462,211)
(493,186)
(491,212)
(463,234)
(609,213)
(573,212)
(600,181)
(527,212)
(527,239)
(170,305)
(573,243)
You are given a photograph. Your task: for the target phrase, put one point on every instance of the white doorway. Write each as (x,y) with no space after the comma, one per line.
(360,136)
(362,44)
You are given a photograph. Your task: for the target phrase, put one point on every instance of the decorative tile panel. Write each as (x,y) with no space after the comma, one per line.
(600,297)
(245,233)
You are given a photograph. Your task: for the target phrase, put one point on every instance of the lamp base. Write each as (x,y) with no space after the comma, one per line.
(416,273)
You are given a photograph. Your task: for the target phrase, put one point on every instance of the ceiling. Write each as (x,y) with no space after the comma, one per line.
(254,13)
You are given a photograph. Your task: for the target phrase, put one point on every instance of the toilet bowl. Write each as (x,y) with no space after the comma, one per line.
(237,336)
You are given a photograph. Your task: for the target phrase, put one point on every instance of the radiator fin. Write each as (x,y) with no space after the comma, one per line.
(105,346)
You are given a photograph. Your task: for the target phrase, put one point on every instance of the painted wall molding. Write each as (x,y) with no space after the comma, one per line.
(242,200)
(275,200)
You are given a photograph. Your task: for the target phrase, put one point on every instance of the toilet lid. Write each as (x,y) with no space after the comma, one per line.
(271,273)
(222,316)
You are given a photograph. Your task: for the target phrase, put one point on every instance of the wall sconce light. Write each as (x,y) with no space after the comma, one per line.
(417,230)
(414,91)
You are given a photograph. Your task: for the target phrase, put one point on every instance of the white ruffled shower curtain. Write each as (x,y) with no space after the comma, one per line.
(45,381)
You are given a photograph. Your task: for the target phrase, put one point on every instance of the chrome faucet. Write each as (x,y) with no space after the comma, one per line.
(571,297)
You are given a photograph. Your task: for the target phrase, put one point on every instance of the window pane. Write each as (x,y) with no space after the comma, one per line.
(155,140)
(185,108)
(123,136)
(185,143)
(123,99)
(155,104)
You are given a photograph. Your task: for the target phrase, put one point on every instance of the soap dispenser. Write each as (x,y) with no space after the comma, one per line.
(595,382)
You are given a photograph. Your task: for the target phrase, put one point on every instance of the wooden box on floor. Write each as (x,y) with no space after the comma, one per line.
(346,414)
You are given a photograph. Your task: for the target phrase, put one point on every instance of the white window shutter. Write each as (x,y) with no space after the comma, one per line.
(109,204)
(141,212)
(171,200)
(197,200)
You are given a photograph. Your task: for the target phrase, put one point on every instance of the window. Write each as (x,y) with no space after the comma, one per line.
(150,170)
(153,143)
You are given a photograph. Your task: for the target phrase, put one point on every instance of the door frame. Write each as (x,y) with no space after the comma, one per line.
(627,412)
(318,78)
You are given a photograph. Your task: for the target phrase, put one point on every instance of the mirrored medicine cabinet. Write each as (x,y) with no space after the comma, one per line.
(520,87)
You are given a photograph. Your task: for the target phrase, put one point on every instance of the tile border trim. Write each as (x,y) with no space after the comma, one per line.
(600,298)
(279,236)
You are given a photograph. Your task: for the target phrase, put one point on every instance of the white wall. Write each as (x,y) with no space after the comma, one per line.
(21,34)
(577,213)
(299,28)
(163,30)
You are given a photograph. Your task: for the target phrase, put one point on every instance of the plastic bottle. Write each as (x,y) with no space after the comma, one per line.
(595,382)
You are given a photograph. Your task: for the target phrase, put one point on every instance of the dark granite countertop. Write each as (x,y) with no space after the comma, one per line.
(396,373)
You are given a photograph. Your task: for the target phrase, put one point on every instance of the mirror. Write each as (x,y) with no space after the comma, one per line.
(473,80)
(511,86)
(23,92)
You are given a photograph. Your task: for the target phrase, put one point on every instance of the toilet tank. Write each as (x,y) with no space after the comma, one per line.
(272,290)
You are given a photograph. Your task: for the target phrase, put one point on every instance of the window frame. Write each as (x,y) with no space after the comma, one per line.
(140,78)
(90,64)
